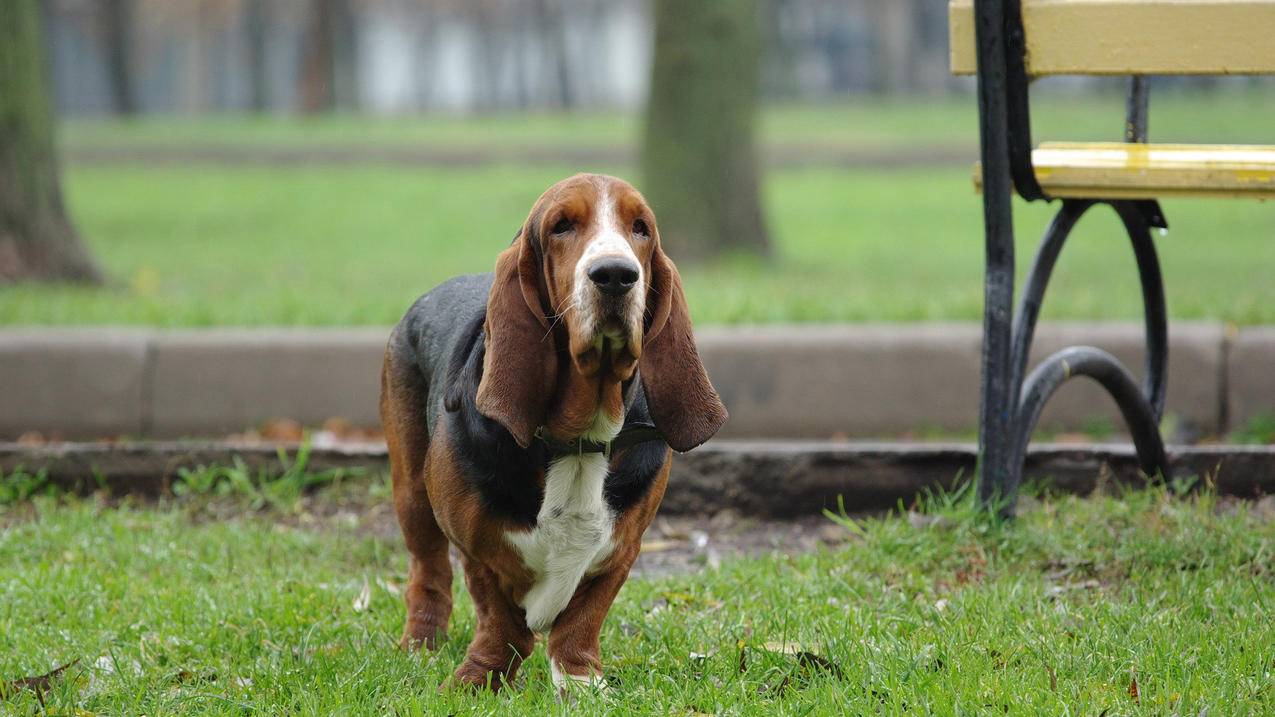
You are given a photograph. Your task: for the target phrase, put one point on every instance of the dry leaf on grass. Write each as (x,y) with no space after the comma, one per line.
(805,657)
(390,586)
(659,546)
(364,598)
(38,684)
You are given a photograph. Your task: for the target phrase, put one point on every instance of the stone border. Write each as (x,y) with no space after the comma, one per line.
(812,382)
(769,480)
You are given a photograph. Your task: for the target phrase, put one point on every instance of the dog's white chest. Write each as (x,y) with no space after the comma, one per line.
(572,535)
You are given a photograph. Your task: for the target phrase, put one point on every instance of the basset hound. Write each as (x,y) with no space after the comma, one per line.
(531,414)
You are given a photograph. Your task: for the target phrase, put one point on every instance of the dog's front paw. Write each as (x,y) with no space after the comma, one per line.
(419,633)
(570,682)
(476,676)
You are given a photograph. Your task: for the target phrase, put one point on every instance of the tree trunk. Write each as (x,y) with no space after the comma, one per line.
(699,158)
(328,67)
(117,25)
(256,21)
(317,93)
(37,240)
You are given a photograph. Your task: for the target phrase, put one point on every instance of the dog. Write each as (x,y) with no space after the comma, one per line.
(531,415)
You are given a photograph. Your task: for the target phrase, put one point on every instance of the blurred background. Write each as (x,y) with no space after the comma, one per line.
(385,57)
(275,163)
(267,162)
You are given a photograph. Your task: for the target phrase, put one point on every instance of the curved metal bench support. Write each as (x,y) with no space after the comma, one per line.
(1142,407)
(1155,316)
(1107,370)
(1010,405)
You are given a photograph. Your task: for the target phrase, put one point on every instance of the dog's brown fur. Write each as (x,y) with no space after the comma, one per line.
(529,382)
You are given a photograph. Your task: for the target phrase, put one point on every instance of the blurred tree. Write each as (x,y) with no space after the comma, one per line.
(699,156)
(327,72)
(256,27)
(117,27)
(551,24)
(37,239)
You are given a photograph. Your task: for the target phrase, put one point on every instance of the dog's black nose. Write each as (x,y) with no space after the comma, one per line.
(613,276)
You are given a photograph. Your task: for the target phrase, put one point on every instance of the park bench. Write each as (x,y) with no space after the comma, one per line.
(1006,43)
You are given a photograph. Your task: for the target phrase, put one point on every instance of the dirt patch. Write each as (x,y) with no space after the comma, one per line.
(674,544)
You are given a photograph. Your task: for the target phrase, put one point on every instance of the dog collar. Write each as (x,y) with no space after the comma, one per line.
(631,435)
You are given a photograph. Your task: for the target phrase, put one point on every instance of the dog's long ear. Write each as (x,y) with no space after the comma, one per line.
(520,366)
(683,403)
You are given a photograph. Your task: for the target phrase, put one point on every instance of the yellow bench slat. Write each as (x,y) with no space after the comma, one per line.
(1117,170)
(1133,37)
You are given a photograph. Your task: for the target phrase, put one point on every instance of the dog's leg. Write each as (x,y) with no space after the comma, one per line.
(574,653)
(502,639)
(429,581)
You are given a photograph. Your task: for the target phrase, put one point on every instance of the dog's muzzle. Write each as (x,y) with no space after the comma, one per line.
(613,276)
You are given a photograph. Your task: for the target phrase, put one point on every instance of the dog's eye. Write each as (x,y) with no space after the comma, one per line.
(563,226)
(640,228)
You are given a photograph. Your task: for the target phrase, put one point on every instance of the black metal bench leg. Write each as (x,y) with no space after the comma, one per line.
(996,394)
(1009,403)
(1155,312)
(1141,408)
(999,393)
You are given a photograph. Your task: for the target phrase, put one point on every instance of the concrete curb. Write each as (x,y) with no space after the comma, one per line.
(778,381)
(773,479)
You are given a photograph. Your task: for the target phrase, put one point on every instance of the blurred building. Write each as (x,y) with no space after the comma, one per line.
(398,56)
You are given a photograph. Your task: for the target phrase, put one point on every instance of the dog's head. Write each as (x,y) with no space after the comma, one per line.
(583,298)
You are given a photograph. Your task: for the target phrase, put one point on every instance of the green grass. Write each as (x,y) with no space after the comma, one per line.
(182,609)
(355,245)
(1223,116)
(1260,430)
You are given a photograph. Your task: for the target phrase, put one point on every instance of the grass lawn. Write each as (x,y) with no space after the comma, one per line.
(1145,604)
(1229,115)
(354,244)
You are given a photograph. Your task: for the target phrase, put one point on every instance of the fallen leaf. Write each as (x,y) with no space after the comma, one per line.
(811,660)
(39,683)
(145,281)
(833,534)
(677,597)
(284,430)
(1135,692)
(390,586)
(364,598)
(1057,590)
(658,546)
(32,438)
(783,648)
(671,531)
(922,520)
(182,677)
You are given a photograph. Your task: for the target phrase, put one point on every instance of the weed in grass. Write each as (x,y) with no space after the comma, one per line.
(262,488)
(1259,429)
(20,485)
